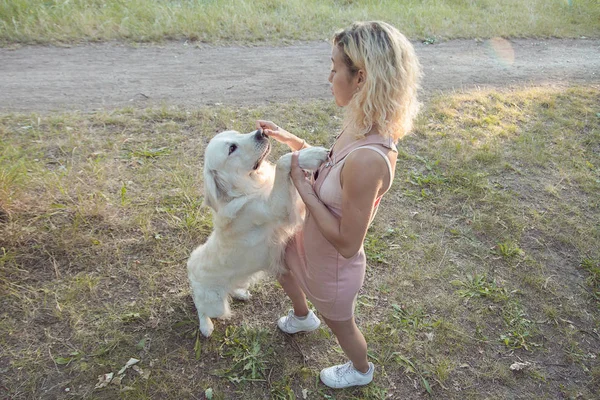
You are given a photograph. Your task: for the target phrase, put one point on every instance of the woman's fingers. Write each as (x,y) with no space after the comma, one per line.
(262,124)
(297,173)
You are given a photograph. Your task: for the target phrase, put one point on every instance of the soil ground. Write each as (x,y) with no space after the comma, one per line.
(106,76)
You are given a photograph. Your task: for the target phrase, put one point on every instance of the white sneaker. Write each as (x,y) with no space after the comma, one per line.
(293,324)
(345,375)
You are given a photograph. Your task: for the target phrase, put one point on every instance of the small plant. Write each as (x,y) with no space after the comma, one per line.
(480,286)
(198,346)
(429,178)
(73,356)
(509,249)
(123,194)
(421,180)
(247,351)
(520,328)
(375,249)
(593,268)
(429,165)
(373,392)
(414,320)
(150,153)
(281,390)
(415,368)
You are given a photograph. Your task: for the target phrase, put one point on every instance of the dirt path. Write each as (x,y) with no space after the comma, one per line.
(89,77)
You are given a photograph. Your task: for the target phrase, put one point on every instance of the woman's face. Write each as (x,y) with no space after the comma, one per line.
(343,83)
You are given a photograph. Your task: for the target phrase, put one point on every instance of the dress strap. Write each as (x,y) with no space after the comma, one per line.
(368,140)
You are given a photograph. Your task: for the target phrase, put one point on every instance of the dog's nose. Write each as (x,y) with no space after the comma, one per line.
(260,135)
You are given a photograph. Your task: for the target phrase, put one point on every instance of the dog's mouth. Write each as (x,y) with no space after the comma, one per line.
(262,156)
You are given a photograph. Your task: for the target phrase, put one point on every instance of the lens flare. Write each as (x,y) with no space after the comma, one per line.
(502,50)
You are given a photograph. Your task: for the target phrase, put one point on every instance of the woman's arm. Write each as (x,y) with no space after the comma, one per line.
(281,135)
(362,176)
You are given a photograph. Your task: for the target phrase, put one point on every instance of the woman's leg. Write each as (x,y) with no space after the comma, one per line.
(294,292)
(352,342)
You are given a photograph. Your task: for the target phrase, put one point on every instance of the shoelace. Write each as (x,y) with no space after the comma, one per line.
(288,320)
(343,369)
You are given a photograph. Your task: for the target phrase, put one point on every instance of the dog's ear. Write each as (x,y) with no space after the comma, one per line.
(232,207)
(215,189)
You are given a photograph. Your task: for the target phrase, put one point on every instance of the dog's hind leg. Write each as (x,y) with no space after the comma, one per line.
(241,294)
(240,290)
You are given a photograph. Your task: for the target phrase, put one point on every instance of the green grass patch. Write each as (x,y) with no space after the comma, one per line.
(277,21)
(483,253)
(592,267)
(248,350)
(480,286)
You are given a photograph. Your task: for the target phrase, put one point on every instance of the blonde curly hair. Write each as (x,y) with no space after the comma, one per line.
(388,99)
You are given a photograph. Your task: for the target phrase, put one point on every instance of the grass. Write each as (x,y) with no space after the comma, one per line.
(473,263)
(281,21)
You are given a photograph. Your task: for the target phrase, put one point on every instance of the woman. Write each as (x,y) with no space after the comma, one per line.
(374,75)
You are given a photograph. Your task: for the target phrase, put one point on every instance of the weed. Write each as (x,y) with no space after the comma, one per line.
(413,320)
(248,352)
(372,392)
(375,248)
(123,193)
(592,266)
(521,330)
(281,390)
(509,249)
(416,368)
(427,180)
(73,356)
(150,153)
(479,285)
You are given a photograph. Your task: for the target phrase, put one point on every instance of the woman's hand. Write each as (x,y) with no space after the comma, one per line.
(299,177)
(273,131)
(281,135)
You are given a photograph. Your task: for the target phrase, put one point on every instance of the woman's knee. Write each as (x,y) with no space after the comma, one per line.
(341,327)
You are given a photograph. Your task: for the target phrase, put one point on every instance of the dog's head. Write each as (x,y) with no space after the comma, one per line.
(232,164)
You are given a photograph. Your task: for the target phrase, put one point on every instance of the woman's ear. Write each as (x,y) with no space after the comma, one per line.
(361,77)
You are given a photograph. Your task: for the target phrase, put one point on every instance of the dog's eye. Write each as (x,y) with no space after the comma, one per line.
(232,148)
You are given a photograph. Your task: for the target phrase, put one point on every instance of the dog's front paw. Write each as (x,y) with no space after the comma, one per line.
(285,162)
(241,294)
(312,157)
(206,326)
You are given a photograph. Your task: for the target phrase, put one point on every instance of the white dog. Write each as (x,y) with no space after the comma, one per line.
(256,210)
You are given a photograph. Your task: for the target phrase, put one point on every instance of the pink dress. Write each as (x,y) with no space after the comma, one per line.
(330,281)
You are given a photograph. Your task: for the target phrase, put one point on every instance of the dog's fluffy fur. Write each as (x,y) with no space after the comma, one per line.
(256,210)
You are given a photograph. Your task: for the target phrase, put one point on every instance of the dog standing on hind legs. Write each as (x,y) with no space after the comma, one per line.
(256,210)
